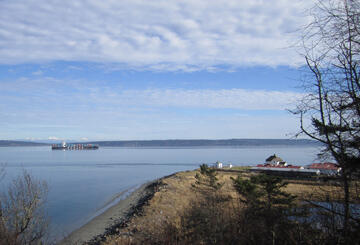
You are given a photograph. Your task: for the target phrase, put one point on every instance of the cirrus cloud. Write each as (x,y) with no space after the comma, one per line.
(218,99)
(73,94)
(156,35)
(43,106)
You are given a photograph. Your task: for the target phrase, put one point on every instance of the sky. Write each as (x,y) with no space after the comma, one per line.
(141,70)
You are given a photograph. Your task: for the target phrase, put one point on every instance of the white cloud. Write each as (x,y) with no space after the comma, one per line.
(157,34)
(225,98)
(51,92)
(37,73)
(53,138)
(73,109)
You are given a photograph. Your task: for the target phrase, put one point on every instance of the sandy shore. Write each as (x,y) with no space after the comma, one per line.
(114,217)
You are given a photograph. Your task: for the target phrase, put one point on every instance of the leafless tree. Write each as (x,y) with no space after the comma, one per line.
(22,216)
(331,48)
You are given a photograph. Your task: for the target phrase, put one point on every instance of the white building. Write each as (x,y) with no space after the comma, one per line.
(275,160)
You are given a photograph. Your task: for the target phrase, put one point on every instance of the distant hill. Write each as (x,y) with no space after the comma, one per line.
(19,143)
(182,143)
(207,143)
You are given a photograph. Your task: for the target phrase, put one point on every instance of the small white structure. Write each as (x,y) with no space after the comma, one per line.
(218,164)
(275,160)
(230,165)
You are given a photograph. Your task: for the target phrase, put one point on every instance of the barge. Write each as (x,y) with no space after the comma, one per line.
(64,146)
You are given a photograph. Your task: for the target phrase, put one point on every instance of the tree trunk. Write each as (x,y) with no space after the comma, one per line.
(346,179)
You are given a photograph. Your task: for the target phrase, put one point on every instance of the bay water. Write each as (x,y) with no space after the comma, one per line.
(83,184)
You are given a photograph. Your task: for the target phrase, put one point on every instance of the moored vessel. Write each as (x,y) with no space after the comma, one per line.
(65,146)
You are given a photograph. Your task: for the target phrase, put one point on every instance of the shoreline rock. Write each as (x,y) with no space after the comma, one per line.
(116,217)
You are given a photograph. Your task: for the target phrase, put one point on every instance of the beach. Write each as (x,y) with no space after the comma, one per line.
(109,221)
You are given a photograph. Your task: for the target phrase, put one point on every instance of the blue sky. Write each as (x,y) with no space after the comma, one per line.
(122,70)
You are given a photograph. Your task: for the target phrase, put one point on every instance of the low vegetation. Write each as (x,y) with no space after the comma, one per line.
(22,217)
(217,207)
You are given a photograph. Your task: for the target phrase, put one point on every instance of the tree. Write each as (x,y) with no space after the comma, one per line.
(22,217)
(263,190)
(331,48)
(267,209)
(207,178)
(206,221)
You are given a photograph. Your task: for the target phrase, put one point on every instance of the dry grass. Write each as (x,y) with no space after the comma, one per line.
(177,193)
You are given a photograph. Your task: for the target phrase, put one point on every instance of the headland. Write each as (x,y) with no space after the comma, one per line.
(145,210)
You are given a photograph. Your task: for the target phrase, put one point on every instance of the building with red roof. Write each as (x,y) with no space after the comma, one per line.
(328,168)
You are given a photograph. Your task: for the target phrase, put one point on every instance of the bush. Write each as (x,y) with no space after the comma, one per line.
(22,217)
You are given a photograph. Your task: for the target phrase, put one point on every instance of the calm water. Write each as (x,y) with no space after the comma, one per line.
(82,183)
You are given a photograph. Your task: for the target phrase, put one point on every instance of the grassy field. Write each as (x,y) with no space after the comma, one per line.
(176,193)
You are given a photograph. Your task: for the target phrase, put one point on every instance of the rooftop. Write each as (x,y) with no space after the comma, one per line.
(274,158)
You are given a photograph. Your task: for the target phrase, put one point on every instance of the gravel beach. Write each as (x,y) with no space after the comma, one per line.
(117,215)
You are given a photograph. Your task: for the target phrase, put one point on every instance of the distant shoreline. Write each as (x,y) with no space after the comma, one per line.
(181,143)
(9,143)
